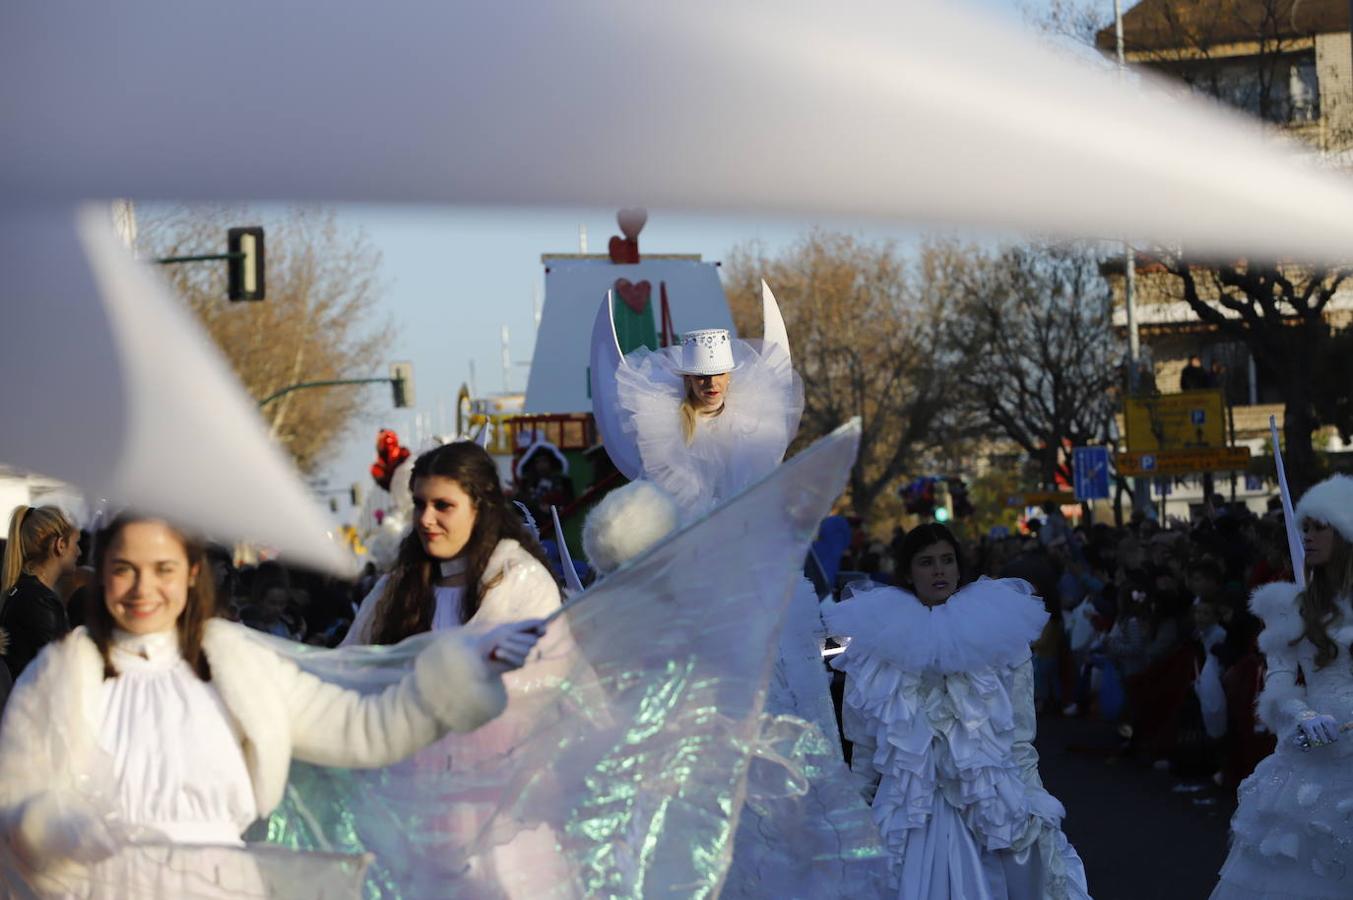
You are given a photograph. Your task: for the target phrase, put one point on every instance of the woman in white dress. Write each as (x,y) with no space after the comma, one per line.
(704,421)
(158,726)
(1292,835)
(939,703)
(468,561)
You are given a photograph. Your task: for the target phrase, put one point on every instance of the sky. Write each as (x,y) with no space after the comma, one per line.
(455,277)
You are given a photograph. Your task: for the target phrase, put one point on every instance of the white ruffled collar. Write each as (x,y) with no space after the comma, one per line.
(155,650)
(990,622)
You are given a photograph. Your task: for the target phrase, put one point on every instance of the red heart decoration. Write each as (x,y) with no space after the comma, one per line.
(623,251)
(635,295)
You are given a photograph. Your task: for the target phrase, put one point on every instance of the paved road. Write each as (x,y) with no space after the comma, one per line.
(1140,838)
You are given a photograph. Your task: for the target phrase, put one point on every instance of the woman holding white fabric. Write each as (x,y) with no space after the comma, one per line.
(1291,836)
(469,561)
(939,703)
(158,725)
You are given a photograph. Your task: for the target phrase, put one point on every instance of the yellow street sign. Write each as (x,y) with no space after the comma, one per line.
(1182,462)
(1176,421)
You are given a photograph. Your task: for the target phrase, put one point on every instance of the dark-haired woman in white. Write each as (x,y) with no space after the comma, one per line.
(939,703)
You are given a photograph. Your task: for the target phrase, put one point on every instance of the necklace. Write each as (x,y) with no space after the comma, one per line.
(451,567)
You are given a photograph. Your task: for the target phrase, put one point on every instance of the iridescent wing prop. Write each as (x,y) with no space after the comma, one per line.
(112,387)
(926,110)
(606,359)
(622,761)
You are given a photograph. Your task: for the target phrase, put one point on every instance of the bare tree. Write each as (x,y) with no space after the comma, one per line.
(318,322)
(866,343)
(1278,312)
(1034,321)
(1255,55)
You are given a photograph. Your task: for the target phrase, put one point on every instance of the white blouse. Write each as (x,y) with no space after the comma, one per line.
(177,762)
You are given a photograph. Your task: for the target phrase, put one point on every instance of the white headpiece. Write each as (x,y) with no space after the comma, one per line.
(1331,502)
(706,352)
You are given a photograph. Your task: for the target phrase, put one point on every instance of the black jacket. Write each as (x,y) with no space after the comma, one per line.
(33,615)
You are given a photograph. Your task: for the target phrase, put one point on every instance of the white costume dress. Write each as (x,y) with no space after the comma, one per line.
(730,451)
(810,843)
(939,704)
(1292,835)
(522,589)
(179,767)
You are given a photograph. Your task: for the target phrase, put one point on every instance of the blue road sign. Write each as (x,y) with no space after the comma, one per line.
(1090,469)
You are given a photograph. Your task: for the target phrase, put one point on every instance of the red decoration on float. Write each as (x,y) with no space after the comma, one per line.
(389,454)
(635,296)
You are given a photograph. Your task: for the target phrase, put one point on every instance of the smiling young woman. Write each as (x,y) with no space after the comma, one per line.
(468,559)
(939,703)
(159,723)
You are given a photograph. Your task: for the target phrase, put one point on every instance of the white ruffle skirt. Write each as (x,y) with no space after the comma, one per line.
(1292,836)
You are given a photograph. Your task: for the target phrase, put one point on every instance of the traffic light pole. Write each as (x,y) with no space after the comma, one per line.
(202,257)
(317,384)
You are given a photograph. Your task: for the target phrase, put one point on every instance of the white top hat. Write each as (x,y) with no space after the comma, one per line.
(706,352)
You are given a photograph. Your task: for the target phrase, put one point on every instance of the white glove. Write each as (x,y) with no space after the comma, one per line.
(61,827)
(505,648)
(1317,730)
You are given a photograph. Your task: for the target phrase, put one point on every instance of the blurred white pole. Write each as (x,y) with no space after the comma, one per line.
(1129,260)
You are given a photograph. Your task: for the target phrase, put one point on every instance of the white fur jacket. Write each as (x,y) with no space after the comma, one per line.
(519,588)
(48,735)
(1283,701)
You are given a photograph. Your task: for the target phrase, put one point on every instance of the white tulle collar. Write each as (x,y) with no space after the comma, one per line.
(989,622)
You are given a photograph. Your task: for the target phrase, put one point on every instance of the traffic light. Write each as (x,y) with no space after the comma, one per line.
(244,263)
(958,492)
(401,380)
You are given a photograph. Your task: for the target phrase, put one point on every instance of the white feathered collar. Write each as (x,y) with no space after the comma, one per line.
(991,622)
(1278,604)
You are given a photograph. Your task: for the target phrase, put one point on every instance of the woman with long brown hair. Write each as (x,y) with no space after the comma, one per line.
(1291,836)
(160,724)
(468,560)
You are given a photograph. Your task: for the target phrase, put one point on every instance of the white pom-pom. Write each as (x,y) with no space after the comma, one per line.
(628,522)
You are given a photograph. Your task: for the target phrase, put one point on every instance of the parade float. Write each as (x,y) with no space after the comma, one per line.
(546,441)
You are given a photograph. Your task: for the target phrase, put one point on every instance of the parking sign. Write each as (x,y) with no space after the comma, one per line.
(1090,469)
